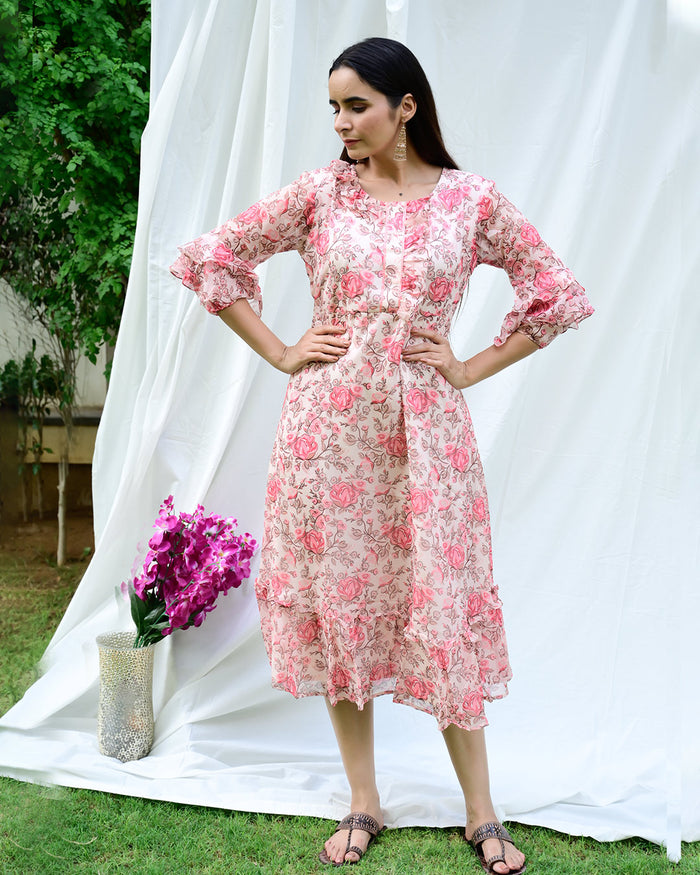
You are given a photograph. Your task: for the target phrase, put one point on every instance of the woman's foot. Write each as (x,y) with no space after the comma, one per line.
(336,850)
(495,847)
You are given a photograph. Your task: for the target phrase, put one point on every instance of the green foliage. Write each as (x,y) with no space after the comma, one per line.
(73,104)
(150,618)
(28,386)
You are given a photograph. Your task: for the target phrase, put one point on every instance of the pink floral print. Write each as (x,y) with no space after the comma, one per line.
(376,573)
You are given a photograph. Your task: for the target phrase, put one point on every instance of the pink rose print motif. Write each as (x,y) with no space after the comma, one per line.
(421,400)
(313,540)
(339,677)
(356,637)
(460,457)
(474,703)
(441,656)
(320,241)
(278,583)
(475,603)
(308,632)
(479,509)
(345,494)
(350,588)
(455,555)
(252,215)
(421,500)
(304,447)
(418,688)
(381,671)
(343,397)
(394,444)
(485,208)
(451,198)
(223,254)
(354,284)
(274,487)
(440,289)
(393,349)
(422,595)
(530,235)
(540,307)
(545,282)
(400,536)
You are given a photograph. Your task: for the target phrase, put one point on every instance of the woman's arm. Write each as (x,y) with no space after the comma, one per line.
(548,299)
(319,344)
(436,351)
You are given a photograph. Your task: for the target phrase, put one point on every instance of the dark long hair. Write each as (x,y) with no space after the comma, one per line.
(389,67)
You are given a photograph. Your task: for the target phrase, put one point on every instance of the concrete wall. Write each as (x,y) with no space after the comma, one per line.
(16,333)
(79,492)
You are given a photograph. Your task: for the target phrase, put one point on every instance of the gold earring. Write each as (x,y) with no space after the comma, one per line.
(400,150)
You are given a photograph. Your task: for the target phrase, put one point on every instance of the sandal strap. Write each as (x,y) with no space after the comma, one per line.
(359,820)
(491,830)
(497,858)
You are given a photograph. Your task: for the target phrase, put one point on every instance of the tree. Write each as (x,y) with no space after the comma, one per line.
(74,102)
(28,387)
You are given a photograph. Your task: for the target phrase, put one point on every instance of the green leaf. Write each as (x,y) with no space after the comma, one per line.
(68,174)
(138,610)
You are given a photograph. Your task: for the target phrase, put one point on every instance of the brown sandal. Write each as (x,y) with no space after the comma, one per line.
(359,820)
(483,833)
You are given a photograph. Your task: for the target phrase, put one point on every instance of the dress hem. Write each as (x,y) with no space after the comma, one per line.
(478,722)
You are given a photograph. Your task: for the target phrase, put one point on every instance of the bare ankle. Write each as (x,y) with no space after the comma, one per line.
(480,813)
(369,802)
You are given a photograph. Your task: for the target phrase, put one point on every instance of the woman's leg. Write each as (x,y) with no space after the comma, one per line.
(354,731)
(467,751)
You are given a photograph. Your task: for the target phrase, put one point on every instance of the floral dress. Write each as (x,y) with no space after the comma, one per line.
(376,572)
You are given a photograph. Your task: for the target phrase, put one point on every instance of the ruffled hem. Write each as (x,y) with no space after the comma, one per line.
(480,613)
(443,719)
(218,280)
(308,657)
(547,316)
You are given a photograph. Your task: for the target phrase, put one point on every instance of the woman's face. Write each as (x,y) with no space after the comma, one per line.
(364,118)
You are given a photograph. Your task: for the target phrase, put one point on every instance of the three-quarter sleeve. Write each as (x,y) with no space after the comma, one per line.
(548,299)
(220,265)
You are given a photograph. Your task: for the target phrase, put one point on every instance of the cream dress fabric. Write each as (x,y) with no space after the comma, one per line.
(376,572)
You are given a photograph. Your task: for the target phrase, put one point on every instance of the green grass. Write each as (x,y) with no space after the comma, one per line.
(54,830)
(58,830)
(31,606)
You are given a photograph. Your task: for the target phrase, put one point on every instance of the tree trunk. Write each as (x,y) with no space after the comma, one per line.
(37,470)
(25,496)
(39,479)
(22,469)
(62,479)
(67,417)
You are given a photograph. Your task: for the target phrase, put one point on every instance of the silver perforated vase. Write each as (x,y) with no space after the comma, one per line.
(125,710)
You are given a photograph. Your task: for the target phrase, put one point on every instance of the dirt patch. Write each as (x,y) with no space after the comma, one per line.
(33,544)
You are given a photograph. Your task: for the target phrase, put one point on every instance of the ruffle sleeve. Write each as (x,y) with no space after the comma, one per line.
(220,265)
(548,299)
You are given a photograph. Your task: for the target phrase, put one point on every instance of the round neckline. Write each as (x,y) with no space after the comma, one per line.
(415,200)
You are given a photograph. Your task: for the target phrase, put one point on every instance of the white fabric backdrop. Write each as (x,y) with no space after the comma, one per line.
(587,116)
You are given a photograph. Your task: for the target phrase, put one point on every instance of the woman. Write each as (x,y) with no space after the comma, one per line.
(376,563)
